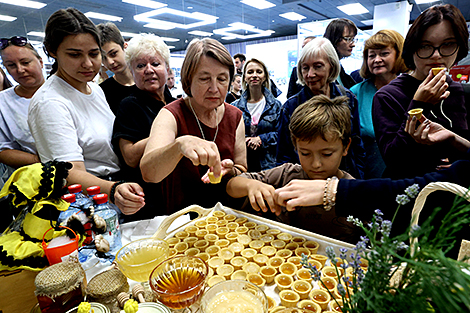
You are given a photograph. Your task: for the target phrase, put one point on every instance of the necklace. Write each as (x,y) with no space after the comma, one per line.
(199,124)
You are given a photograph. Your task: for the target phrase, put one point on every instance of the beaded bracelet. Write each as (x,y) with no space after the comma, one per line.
(329,195)
(113,190)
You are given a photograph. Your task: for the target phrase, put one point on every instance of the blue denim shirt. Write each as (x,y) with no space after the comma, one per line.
(267,126)
(353,163)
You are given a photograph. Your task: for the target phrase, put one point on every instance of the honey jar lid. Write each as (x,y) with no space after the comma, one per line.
(59,279)
(107,284)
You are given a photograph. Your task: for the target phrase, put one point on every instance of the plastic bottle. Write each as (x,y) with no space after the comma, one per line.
(83,202)
(93,191)
(74,209)
(113,232)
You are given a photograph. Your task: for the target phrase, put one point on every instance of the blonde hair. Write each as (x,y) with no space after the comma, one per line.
(267,80)
(321,117)
(317,47)
(146,44)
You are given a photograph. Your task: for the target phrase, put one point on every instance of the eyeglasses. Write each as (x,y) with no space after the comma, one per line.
(16,40)
(349,39)
(446,50)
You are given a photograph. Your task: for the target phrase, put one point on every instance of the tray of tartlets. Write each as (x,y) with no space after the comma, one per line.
(240,245)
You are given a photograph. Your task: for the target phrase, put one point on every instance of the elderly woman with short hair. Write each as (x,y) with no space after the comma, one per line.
(317,69)
(198,134)
(148,58)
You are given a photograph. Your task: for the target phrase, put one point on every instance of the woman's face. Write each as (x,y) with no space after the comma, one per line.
(381,61)
(315,72)
(210,83)
(345,47)
(23,66)
(237,83)
(79,59)
(254,75)
(435,36)
(150,73)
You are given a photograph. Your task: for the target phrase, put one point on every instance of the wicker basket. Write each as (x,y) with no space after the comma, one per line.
(421,199)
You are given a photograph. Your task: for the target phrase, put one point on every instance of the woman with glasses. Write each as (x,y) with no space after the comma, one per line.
(437,39)
(25,65)
(342,34)
(69,117)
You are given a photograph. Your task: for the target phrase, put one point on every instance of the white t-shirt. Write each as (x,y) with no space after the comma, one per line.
(256,109)
(14,129)
(68,125)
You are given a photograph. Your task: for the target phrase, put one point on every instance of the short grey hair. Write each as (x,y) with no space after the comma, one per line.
(316,47)
(147,44)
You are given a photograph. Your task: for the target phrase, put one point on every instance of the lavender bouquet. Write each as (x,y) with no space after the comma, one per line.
(400,278)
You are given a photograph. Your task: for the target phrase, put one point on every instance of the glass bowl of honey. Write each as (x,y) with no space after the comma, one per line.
(237,296)
(138,258)
(179,282)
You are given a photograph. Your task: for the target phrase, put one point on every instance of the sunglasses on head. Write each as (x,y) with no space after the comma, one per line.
(15,40)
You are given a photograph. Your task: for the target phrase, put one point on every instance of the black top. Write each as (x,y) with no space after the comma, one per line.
(115,92)
(231,97)
(360,198)
(294,88)
(133,122)
(347,80)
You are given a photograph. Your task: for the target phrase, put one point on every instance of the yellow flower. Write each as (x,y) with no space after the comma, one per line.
(84,307)
(131,306)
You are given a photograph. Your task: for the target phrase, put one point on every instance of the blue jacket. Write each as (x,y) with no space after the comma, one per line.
(353,163)
(267,126)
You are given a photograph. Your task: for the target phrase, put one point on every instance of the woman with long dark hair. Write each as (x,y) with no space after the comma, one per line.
(69,117)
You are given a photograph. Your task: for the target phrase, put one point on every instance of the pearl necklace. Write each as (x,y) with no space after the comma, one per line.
(199,124)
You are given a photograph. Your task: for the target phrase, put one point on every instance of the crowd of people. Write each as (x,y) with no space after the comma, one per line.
(329,150)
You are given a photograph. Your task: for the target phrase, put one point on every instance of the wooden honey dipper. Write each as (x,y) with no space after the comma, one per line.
(138,293)
(122,298)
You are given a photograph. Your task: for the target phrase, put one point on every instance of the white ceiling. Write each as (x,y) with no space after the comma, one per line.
(227,11)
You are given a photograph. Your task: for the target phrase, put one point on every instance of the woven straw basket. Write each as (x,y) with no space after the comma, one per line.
(421,199)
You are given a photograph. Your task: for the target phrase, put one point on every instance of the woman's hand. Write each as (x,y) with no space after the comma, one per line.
(227,168)
(259,194)
(299,193)
(428,132)
(129,198)
(253,142)
(201,152)
(433,89)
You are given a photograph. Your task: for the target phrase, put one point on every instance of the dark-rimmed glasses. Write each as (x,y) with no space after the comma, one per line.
(349,39)
(15,40)
(446,50)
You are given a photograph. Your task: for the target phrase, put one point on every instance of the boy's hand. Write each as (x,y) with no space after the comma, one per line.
(299,193)
(259,193)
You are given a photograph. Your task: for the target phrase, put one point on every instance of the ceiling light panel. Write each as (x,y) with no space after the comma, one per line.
(7,18)
(200,33)
(259,4)
(37,34)
(25,3)
(229,33)
(104,17)
(424,1)
(353,9)
(293,16)
(146,3)
(148,17)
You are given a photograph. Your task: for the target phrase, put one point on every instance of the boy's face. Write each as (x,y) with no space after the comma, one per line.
(113,57)
(320,159)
